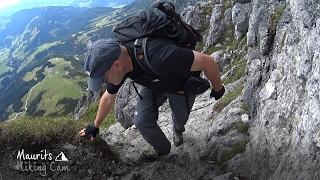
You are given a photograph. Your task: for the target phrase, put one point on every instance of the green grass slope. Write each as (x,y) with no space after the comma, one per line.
(53,89)
(27,131)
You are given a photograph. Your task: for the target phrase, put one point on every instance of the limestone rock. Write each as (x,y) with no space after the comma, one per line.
(240,18)
(217,26)
(284,128)
(194,16)
(84,102)
(222,58)
(281,88)
(245,118)
(227,176)
(125,103)
(228,16)
(183,161)
(243,1)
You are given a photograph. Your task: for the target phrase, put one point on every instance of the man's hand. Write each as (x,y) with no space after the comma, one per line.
(217,95)
(89,132)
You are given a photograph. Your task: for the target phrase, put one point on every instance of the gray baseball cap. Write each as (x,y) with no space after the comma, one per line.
(98,61)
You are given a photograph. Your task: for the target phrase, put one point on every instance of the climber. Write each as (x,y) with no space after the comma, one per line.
(155,49)
(108,61)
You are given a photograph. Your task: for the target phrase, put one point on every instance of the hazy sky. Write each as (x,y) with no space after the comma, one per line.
(4,4)
(8,7)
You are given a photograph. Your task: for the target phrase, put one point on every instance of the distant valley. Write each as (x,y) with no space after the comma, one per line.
(42,50)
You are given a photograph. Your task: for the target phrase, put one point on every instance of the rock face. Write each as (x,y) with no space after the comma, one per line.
(125,103)
(222,59)
(183,161)
(194,16)
(267,125)
(240,18)
(84,102)
(284,133)
(217,26)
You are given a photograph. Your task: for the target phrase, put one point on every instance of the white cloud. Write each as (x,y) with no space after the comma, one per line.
(4,4)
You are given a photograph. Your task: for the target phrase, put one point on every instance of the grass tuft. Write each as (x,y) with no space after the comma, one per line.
(90,115)
(36,132)
(236,149)
(275,18)
(240,72)
(244,107)
(30,131)
(242,127)
(228,98)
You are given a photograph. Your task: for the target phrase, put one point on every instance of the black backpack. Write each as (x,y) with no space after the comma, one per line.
(160,21)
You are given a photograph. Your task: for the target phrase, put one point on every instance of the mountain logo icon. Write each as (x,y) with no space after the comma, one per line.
(61,157)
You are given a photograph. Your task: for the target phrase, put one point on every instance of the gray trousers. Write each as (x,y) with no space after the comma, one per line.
(146,116)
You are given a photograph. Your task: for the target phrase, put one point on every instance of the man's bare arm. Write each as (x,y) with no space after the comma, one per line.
(206,63)
(106,102)
(105,105)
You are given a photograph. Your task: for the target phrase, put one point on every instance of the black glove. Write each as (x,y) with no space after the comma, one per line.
(91,130)
(217,95)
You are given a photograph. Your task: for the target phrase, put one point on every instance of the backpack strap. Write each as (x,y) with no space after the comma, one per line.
(135,88)
(141,55)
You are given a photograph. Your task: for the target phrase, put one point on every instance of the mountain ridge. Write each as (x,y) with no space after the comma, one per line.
(265,125)
(30,4)
(46,33)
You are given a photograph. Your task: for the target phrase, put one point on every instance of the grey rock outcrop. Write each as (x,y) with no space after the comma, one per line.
(267,124)
(217,26)
(128,143)
(211,138)
(240,18)
(228,17)
(84,102)
(284,94)
(228,135)
(125,103)
(222,58)
(194,16)
(243,1)
(263,22)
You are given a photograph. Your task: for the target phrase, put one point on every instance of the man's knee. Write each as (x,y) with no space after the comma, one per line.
(137,120)
(142,120)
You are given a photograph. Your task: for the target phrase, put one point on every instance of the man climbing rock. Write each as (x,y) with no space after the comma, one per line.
(165,70)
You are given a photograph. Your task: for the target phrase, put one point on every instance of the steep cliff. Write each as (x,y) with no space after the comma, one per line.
(267,124)
(282,89)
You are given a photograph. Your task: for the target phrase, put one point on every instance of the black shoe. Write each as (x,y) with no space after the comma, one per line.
(150,156)
(177,138)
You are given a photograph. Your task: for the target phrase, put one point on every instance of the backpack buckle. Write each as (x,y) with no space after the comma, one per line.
(137,43)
